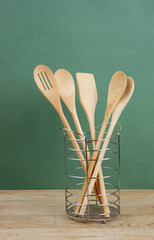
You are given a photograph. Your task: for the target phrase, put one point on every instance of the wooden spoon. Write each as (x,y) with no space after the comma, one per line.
(115,91)
(66,88)
(115,116)
(46,83)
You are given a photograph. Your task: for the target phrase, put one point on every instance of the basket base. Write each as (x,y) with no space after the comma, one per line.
(95,214)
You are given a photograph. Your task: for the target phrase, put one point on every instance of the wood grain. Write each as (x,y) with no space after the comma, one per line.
(40,215)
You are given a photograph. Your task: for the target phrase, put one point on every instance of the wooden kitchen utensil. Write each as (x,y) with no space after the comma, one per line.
(115,91)
(66,89)
(115,116)
(88,100)
(46,83)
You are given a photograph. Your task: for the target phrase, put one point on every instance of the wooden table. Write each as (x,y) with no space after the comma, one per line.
(40,215)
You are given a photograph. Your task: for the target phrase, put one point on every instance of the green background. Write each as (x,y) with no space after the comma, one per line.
(93,36)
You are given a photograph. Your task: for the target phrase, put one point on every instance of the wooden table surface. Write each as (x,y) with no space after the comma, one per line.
(40,215)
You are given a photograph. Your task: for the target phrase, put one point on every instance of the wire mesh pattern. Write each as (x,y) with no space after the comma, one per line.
(75,176)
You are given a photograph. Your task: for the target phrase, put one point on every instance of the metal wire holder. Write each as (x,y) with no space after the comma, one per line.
(75,176)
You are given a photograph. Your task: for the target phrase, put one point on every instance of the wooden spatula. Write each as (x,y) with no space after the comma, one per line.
(115,116)
(88,100)
(115,91)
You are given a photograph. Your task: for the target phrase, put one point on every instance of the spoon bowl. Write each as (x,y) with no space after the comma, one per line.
(66,88)
(46,83)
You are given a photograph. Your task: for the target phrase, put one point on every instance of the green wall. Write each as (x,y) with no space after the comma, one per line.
(95,36)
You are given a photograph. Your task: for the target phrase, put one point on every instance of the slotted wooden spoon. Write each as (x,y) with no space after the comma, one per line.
(115,116)
(115,91)
(46,83)
(66,89)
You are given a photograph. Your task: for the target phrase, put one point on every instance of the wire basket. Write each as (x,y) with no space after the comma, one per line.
(75,176)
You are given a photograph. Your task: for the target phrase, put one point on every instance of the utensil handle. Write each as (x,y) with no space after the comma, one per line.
(92,165)
(81,135)
(85,147)
(93,132)
(73,140)
(76,146)
(95,172)
(99,182)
